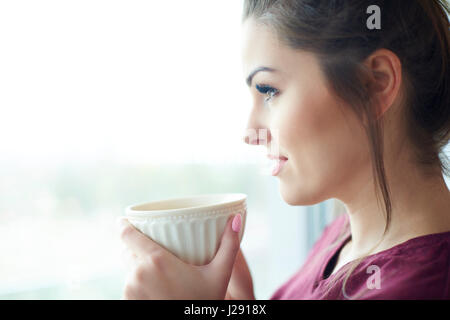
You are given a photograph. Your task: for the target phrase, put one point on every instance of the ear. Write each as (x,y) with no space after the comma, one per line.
(385,72)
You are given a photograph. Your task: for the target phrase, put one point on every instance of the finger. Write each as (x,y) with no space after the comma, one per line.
(129,258)
(229,246)
(240,285)
(137,242)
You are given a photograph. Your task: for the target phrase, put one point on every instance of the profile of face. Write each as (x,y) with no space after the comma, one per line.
(323,140)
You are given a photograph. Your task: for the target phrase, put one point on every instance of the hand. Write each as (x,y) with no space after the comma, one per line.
(240,286)
(156,273)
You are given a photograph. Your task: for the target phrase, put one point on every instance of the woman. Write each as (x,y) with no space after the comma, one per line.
(355,113)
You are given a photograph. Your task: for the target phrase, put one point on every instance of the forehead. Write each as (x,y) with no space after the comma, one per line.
(261,47)
(258,45)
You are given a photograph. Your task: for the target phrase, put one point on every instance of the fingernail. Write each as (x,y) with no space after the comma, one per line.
(236,224)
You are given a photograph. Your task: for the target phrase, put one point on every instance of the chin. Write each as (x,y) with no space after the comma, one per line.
(295,197)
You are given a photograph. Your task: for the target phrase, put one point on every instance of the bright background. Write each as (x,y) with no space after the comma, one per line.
(108,103)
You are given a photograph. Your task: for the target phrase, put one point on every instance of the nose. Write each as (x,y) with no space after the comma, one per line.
(256,133)
(257,136)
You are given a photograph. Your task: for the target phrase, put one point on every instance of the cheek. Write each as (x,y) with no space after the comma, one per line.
(323,140)
(310,123)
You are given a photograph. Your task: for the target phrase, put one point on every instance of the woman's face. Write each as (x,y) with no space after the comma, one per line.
(323,141)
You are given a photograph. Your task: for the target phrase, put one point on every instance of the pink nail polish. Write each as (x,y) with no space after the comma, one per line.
(236,224)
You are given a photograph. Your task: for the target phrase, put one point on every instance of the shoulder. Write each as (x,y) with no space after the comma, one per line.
(299,282)
(333,230)
(329,237)
(337,224)
(416,269)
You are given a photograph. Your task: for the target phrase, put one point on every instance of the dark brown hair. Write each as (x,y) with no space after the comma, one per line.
(417,31)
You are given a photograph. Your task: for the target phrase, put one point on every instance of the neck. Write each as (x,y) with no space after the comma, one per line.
(420,206)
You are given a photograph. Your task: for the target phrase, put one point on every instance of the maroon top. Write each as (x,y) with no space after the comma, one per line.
(418,268)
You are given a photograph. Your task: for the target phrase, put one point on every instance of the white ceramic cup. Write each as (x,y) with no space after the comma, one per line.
(189,227)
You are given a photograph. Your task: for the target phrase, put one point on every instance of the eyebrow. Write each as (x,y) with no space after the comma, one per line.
(254,72)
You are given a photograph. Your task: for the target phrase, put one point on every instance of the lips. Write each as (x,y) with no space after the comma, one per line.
(273,157)
(280,161)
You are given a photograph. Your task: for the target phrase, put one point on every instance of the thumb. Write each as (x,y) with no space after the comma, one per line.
(229,247)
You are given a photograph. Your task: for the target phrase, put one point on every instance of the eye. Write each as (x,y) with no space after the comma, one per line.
(268,90)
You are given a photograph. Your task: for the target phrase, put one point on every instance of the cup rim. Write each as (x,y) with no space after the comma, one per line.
(238,198)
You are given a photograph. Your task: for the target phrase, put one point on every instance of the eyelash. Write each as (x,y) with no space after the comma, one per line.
(265,89)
